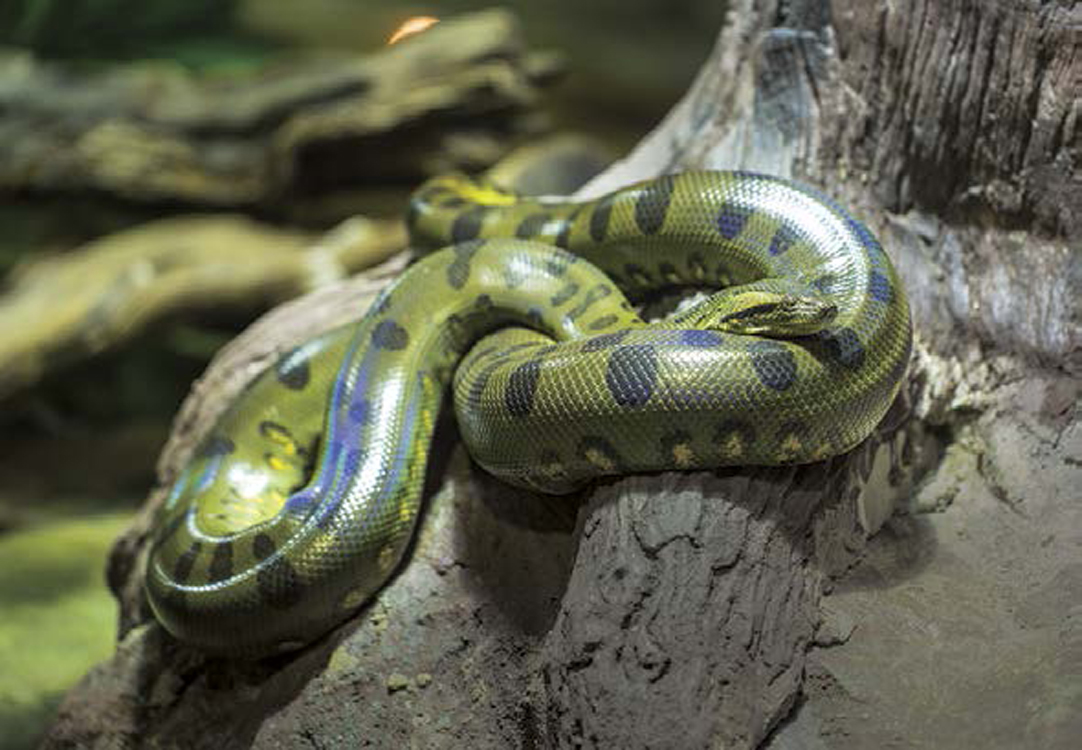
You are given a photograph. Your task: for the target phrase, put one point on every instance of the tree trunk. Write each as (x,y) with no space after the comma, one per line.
(678,610)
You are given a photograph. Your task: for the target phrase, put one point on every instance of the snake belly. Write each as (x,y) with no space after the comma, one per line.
(301,502)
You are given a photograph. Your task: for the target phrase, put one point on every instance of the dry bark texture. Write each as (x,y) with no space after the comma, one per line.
(680,610)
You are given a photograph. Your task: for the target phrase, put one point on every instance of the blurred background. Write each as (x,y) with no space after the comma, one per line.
(168,168)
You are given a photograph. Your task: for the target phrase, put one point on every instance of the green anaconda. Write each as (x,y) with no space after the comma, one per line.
(302,500)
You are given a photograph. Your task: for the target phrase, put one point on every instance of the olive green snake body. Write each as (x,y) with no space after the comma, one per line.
(301,502)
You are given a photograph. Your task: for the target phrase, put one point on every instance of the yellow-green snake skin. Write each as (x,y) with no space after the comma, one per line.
(300,503)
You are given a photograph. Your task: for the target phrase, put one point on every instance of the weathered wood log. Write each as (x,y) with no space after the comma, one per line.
(62,309)
(680,611)
(457,97)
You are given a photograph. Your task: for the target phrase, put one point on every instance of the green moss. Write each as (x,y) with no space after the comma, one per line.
(58,618)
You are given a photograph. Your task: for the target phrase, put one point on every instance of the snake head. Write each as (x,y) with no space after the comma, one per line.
(770,313)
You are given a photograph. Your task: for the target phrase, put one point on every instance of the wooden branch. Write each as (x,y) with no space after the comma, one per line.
(68,307)
(456,97)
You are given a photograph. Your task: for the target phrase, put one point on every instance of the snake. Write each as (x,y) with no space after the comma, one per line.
(300,503)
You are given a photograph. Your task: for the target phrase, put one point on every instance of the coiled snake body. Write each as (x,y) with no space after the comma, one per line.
(300,503)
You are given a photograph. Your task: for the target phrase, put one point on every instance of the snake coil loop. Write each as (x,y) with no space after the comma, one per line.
(265,542)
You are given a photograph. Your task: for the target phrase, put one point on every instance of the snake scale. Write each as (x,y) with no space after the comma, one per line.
(302,500)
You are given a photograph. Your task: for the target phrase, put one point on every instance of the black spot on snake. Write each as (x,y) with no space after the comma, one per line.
(457,330)
(596,293)
(458,270)
(263,547)
(279,433)
(782,240)
(730,222)
(843,346)
(292,370)
(279,585)
(631,374)
(604,341)
(652,204)
(467,225)
(564,294)
(182,569)
(531,226)
(221,562)
(701,338)
(521,387)
(774,364)
(559,262)
(602,323)
(483,303)
(389,335)
(599,219)
(879,287)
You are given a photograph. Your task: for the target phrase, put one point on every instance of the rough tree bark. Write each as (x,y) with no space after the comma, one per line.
(678,610)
